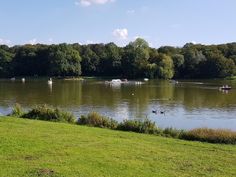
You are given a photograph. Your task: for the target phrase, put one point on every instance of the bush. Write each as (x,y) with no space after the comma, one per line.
(49,114)
(210,135)
(172,132)
(17,111)
(97,120)
(138,126)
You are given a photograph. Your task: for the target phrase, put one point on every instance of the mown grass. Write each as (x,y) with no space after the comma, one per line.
(40,148)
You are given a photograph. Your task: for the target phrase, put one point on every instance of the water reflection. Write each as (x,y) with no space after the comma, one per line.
(186,104)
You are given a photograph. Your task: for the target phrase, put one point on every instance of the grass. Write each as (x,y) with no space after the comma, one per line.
(210,135)
(40,148)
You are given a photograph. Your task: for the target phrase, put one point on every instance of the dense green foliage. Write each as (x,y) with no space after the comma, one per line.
(17,111)
(136,59)
(38,148)
(43,113)
(97,120)
(138,126)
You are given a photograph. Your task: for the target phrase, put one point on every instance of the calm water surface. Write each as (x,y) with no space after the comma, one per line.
(187,105)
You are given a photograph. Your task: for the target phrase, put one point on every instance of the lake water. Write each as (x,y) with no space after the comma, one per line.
(188,104)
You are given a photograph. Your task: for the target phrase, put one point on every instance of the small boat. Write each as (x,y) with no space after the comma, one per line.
(50,81)
(225,87)
(174,81)
(13,79)
(146,79)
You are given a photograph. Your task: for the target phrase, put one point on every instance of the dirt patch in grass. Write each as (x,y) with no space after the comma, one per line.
(43,172)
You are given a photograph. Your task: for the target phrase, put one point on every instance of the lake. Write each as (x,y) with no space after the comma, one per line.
(186,105)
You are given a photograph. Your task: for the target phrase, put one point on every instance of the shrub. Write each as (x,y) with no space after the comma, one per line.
(172,132)
(17,111)
(49,114)
(210,135)
(138,126)
(97,120)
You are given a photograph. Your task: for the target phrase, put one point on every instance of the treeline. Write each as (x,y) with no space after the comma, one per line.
(135,60)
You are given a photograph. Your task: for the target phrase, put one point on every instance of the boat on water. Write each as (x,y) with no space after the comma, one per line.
(225,87)
(116,81)
(13,79)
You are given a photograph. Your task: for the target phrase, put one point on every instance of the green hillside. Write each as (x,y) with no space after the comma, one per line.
(37,148)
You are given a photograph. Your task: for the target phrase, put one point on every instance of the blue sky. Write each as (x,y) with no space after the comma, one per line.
(160,22)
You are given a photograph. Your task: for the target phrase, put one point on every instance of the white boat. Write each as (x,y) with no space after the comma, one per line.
(13,79)
(146,79)
(116,81)
(225,87)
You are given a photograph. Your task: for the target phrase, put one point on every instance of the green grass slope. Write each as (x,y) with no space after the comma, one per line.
(37,148)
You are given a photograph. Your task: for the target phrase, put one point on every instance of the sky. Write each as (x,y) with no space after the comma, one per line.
(160,22)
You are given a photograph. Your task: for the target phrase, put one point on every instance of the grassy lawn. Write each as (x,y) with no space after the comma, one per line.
(37,148)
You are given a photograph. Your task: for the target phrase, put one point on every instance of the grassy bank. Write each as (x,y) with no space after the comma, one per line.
(40,148)
(95,119)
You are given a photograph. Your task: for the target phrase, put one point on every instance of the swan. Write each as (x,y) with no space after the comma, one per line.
(50,81)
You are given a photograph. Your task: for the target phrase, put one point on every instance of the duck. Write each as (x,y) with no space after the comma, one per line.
(154,111)
(162,112)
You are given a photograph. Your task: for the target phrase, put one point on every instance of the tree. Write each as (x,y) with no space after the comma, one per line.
(110,64)
(64,60)
(5,61)
(165,67)
(90,61)
(178,60)
(135,58)
(192,59)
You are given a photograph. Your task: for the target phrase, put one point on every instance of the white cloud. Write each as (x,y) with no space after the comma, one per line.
(131,11)
(50,41)
(194,42)
(120,33)
(5,42)
(87,3)
(32,41)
